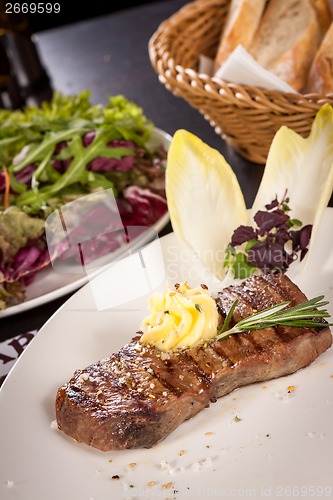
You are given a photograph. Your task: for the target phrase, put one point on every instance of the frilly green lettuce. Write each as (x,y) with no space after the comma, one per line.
(16,229)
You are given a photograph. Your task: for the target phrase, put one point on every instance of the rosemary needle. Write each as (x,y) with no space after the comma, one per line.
(306,315)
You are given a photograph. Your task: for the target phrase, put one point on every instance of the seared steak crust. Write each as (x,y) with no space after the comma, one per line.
(138,395)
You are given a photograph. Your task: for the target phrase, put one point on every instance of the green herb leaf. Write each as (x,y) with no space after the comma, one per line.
(307,314)
(198,307)
(241,267)
(228,318)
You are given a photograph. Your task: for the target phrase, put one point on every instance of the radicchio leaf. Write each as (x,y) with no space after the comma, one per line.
(141,207)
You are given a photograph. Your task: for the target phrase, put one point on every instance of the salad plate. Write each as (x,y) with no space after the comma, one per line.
(271,439)
(50,284)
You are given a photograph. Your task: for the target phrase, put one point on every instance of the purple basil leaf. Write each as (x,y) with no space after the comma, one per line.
(295,237)
(263,255)
(267,220)
(306,232)
(273,204)
(301,238)
(304,251)
(282,235)
(242,234)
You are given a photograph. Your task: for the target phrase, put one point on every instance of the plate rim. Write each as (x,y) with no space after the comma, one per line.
(92,455)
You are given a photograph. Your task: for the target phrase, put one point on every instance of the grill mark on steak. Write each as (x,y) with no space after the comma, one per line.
(177,372)
(138,395)
(204,374)
(209,359)
(135,380)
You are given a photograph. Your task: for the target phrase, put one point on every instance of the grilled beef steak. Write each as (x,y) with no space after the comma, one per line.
(138,396)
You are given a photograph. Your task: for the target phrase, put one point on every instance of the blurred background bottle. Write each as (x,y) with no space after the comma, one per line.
(19,51)
(10,96)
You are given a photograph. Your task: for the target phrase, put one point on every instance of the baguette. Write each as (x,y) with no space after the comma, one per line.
(241,24)
(321,72)
(287,39)
(324,14)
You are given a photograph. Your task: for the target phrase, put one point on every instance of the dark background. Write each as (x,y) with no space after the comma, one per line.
(71,12)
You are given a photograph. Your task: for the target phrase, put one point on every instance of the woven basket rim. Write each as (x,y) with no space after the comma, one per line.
(169,24)
(246,116)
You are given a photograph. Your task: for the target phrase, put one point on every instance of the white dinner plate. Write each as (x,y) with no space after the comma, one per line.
(272,439)
(51,284)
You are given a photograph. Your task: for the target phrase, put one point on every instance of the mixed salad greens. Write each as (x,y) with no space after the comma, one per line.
(58,152)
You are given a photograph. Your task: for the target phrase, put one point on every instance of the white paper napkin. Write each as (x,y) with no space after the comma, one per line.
(241,68)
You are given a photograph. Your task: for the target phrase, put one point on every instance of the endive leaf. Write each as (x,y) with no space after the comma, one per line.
(304,167)
(204,198)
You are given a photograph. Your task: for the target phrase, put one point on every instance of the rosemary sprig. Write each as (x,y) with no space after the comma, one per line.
(307,314)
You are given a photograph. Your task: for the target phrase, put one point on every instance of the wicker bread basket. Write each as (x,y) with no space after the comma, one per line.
(246,117)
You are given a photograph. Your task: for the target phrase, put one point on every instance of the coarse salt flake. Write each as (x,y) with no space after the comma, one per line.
(166,466)
(54,424)
(195,466)
(204,462)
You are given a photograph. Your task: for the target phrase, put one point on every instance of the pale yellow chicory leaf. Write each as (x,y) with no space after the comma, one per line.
(204,198)
(303,167)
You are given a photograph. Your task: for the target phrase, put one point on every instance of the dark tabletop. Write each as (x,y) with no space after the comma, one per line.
(109,55)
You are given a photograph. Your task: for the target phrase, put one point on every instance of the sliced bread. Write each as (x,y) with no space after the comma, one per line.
(241,24)
(321,72)
(287,39)
(324,14)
